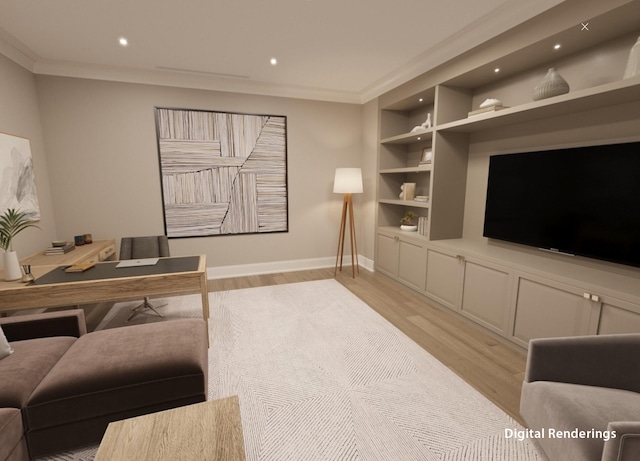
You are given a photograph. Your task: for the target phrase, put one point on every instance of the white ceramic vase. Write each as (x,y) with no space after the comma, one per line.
(408,228)
(11,266)
(551,85)
(633,64)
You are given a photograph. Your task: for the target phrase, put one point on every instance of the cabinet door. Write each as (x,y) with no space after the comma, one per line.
(412,264)
(443,277)
(617,316)
(486,294)
(549,309)
(387,255)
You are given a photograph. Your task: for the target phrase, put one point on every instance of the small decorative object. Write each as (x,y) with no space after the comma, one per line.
(489,105)
(490,102)
(88,239)
(27,276)
(12,222)
(408,222)
(79,240)
(633,64)
(427,155)
(551,85)
(407,191)
(425,125)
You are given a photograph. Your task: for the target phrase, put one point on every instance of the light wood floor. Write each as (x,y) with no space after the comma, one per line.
(493,367)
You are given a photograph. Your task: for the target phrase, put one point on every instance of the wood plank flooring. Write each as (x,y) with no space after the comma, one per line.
(492,366)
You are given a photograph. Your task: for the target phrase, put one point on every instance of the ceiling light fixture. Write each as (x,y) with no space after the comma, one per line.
(123,41)
(496,70)
(273,61)
(557,46)
(421,99)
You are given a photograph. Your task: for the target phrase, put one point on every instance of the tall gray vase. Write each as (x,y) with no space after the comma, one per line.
(551,85)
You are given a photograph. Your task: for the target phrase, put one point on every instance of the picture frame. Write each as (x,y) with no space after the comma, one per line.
(427,155)
(222,173)
(18,189)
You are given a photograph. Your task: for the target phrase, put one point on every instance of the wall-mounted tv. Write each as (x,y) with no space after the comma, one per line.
(581,201)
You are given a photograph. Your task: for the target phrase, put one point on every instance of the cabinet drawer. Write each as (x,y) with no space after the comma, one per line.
(107,253)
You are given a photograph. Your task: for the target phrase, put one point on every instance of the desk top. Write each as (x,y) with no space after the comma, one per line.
(108,270)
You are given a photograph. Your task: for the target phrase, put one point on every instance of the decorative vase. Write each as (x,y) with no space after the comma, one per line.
(551,85)
(633,64)
(12,269)
(408,228)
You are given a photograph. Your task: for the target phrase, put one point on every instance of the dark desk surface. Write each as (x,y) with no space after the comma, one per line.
(108,270)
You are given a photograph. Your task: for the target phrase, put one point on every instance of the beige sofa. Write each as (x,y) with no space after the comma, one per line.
(581,397)
(62,386)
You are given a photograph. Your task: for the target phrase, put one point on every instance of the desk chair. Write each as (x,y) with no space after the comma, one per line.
(139,248)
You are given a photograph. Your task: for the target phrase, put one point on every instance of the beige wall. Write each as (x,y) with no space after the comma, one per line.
(19,116)
(103,165)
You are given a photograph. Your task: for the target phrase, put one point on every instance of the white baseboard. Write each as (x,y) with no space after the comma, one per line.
(243,270)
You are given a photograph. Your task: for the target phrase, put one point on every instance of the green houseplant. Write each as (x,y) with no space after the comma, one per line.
(12,222)
(408,221)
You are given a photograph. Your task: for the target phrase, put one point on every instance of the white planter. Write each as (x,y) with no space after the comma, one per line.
(12,269)
(408,228)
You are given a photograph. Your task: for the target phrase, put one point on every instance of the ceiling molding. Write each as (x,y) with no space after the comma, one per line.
(181,79)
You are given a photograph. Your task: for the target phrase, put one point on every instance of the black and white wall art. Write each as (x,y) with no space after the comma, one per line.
(17,180)
(222,173)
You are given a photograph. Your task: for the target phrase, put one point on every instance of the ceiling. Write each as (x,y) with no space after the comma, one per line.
(338,50)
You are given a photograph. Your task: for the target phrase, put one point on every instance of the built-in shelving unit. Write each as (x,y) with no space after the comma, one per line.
(496,288)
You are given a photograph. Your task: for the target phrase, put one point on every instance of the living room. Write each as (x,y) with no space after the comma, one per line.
(95,158)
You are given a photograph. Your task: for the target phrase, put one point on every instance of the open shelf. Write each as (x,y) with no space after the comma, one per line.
(418,169)
(407,203)
(619,92)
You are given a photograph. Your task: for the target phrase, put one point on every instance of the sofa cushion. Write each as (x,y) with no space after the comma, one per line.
(566,407)
(12,444)
(23,370)
(114,374)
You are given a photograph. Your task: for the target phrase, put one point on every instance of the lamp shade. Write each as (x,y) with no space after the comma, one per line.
(348,181)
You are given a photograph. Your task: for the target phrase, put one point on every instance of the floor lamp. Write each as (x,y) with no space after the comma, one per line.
(347,181)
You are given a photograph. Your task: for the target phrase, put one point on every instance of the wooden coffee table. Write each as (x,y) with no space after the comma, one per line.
(206,431)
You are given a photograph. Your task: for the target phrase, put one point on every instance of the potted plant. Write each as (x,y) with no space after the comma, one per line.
(408,222)
(12,222)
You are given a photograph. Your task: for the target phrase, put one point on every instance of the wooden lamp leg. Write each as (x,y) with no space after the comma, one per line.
(347,208)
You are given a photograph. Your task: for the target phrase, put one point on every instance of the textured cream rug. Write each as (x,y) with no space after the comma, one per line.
(321,376)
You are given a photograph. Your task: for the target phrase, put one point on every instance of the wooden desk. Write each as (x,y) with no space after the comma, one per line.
(89,290)
(207,431)
(99,250)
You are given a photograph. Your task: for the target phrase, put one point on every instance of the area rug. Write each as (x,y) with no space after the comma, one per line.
(321,376)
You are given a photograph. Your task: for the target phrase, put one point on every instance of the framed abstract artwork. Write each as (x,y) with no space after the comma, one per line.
(17,180)
(222,173)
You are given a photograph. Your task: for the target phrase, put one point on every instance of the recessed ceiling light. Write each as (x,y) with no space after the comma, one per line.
(421,99)
(273,61)
(123,41)
(496,70)
(557,46)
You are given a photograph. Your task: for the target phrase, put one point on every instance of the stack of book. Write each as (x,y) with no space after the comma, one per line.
(60,248)
(423,225)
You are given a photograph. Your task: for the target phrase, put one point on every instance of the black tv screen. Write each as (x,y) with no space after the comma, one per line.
(581,201)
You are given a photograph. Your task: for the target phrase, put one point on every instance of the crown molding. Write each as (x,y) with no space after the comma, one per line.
(192,80)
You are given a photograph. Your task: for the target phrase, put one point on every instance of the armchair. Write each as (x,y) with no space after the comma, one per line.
(140,248)
(582,395)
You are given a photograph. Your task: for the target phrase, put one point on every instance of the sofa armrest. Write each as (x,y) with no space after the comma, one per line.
(61,323)
(604,361)
(626,445)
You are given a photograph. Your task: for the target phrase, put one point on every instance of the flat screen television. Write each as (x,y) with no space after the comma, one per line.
(581,201)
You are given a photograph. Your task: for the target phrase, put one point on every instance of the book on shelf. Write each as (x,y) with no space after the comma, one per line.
(423,222)
(60,250)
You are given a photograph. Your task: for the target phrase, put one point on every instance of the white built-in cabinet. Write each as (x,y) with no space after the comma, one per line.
(504,295)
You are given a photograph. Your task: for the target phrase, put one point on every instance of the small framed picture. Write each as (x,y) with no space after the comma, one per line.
(427,154)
